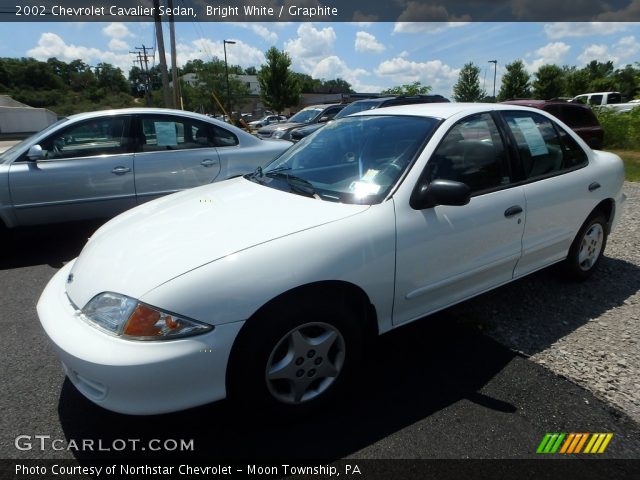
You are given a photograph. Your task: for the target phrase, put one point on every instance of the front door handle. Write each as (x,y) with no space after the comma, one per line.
(208,163)
(121,170)
(511,211)
(594,186)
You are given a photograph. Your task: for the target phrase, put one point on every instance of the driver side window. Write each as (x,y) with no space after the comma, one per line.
(471,152)
(99,136)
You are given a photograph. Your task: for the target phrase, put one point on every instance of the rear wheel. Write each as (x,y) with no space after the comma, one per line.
(294,358)
(588,247)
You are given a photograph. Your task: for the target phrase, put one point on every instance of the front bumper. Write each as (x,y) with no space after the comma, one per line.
(135,377)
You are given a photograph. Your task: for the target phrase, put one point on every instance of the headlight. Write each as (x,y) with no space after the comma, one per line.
(126,317)
(279,133)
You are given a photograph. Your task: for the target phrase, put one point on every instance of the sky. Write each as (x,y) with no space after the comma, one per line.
(370,56)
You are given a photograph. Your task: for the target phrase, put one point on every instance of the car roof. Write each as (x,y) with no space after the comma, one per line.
(136,110)
(542,103)
(441,110)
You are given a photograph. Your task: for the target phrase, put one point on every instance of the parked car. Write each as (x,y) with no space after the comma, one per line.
(312,115)
(98,164)
(299,133)
(267,120)
(580,118)
(270,283)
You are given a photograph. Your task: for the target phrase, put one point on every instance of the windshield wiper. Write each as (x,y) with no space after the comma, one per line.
(297,184)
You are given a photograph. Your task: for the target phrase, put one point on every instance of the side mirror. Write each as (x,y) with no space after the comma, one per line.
(323,119)
(35,153)
(440,192)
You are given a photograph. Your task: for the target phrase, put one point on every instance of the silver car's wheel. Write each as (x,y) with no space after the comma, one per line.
(305,362)
(591,247)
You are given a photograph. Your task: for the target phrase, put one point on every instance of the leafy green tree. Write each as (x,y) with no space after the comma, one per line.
(279,86)
(338,85)
(467,88)
(548,82)
(576,81)
(627,81)
(111,78)
(515,83)
(415,88)
(250,71)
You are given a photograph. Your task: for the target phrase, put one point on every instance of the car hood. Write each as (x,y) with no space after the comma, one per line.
(160,240)
(281,126)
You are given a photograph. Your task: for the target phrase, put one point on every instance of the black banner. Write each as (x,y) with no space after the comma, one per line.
(321,10)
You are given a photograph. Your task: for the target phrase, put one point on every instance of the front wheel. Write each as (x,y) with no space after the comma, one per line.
(588,247)
(294,358)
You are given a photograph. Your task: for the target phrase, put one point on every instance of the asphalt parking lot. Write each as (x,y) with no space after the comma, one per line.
(436,389)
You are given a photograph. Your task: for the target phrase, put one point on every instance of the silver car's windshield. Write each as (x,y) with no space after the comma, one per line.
(352,160)
(14,150)
(305,116)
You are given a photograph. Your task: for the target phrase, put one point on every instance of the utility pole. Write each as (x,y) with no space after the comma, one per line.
(177,101)
(495,70)
(142,56)
(226,71)
(161,53)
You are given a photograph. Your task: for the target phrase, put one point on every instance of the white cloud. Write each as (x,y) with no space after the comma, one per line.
(117,30)
(333,67)
(311,46)
(239,53)
(438,75)
(425,27)
(552,53)
(583,29)
(597,52)
(52,45)
(627,47)
(260,30)
(365,42)
(117,44)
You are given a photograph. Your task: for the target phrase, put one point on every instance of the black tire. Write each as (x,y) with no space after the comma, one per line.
(265,350)
(587,249)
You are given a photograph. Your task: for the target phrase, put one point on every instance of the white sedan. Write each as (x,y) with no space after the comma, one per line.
(263,288)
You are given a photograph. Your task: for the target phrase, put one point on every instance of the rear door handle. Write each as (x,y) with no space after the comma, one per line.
(208,163)
(511,211)
(121,170)
(594,186)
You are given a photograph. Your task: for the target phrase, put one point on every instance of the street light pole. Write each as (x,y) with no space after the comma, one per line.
(226,69)
(495,70)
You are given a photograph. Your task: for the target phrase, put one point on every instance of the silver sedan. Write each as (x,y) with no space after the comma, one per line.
(98,164)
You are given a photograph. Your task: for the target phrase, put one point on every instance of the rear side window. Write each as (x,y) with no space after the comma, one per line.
(544,148)
(161,133)
(573,115)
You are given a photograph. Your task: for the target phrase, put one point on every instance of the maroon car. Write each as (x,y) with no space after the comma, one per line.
(579,117)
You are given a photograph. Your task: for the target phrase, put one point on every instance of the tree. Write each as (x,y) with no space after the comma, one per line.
(415,88)
(338,85)
(627,80)
(279,86)
(549,82)
(250,71)
(111,79)
(467,88)
(515,83)
(576,81)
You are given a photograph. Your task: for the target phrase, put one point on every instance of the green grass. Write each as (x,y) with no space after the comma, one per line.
(631,161)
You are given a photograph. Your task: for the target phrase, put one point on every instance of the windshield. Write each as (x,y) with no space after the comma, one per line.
(356,107)
(306,115)
(352,160)
(11,152)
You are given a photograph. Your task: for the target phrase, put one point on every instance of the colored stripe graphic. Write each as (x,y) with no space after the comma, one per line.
(574,443)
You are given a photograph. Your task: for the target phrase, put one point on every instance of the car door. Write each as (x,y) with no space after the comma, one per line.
(86,171)
(556,187)
(448,253)
(174,153)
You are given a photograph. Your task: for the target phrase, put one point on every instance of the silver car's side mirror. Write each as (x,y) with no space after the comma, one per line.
(35,153)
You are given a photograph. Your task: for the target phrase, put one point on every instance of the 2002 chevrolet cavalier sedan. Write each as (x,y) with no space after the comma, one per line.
(263,288)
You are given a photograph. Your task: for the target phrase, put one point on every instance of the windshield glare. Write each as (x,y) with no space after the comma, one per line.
(354,159)
(305,116)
